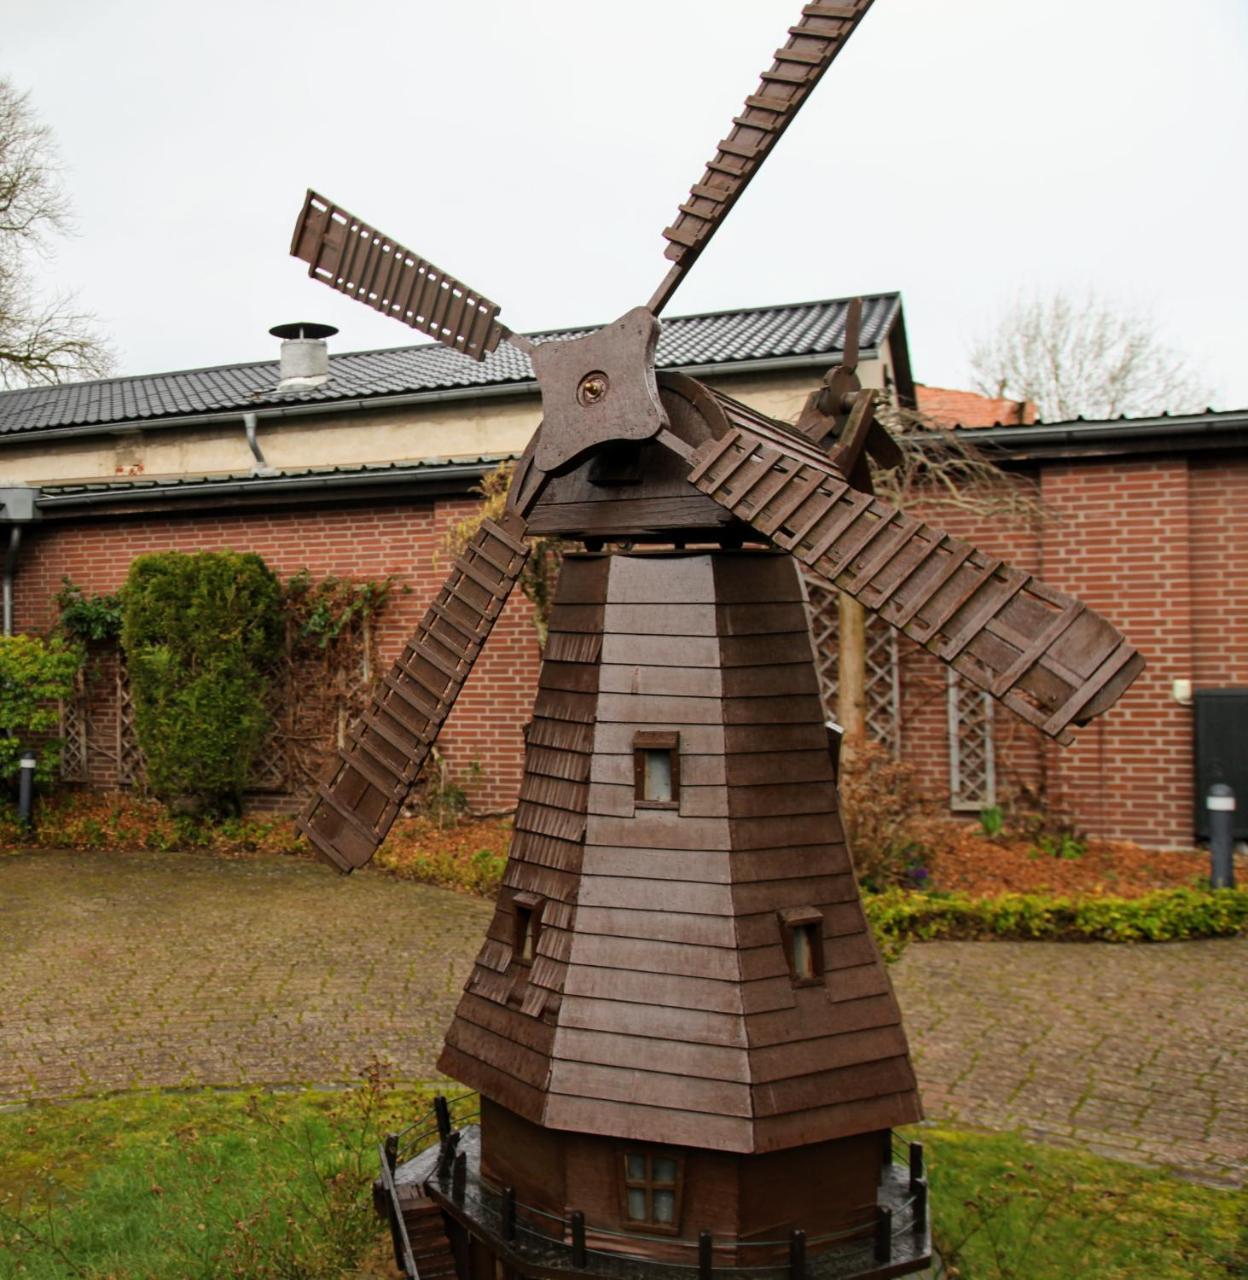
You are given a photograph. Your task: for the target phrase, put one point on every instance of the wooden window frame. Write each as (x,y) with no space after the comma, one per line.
(530,904)
(791,920)
(649,1186)
(649,740)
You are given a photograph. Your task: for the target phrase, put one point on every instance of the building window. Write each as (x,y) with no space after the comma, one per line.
(802,931)
(652,1191)
(527,926)
(656,770)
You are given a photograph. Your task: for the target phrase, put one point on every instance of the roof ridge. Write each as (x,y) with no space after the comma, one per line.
(50,388)
(754,337)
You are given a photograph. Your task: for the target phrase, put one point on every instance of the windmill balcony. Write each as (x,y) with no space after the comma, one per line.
(484,1232)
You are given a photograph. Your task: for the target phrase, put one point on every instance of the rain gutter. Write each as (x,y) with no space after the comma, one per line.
(275,483)
(17,509)
(1158,434)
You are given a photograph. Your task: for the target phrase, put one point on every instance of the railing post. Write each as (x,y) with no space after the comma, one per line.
(391,1149)
(579,1256)
(797,1255)
(445,1155)
(920,1206)
(459,1180)
(443,1113)
(509,1213)
(916,1163)
(396,1239)
(884,1235)
(886,1148)
(704,1255)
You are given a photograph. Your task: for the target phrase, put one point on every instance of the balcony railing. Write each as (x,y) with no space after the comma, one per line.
(892,1240)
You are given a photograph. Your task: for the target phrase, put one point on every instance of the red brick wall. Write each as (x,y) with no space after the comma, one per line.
(400,539)
(1219,566)
(1121,542)
(1158,546)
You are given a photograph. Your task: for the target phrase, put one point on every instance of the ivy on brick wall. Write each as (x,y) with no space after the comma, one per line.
(311,668)
(86,617)
(200,634)
(34,675)
(541,570)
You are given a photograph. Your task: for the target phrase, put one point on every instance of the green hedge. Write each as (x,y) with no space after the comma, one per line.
(200,633)
(1165,916)
(34,673)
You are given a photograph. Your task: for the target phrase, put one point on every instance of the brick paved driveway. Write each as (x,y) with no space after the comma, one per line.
(1139,1052)
(168,969)
(163,969)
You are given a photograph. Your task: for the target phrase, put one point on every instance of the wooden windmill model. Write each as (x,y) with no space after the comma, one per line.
(686,1047)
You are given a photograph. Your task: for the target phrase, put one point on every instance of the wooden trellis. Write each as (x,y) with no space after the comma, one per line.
(883,677)
(972,764)
(311,707)
(73,734)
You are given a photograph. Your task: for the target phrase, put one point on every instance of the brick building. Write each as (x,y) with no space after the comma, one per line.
(362,473)
(359,473)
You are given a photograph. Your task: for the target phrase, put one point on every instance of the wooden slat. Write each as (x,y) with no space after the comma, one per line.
(1042,643)
(956,558)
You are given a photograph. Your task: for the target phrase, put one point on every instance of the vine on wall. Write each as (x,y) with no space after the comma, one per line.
(313,654)
(537,579)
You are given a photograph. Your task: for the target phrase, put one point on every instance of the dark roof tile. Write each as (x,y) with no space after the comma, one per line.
(759,333)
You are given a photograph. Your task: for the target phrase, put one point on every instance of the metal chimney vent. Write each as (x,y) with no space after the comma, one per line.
(305,357)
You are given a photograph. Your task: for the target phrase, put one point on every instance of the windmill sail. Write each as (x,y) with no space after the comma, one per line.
(347,254)
(821,33)
(1043,654)
(351,812)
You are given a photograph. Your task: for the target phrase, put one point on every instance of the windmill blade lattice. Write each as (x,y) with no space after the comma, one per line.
(819,36)
(347,254)
(353,809)
(1045,656)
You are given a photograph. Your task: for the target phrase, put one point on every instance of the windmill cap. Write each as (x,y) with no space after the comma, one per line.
(303,329)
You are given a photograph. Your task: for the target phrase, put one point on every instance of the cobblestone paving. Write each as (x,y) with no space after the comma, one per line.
(167,969)
(162,969)
(1136,1052)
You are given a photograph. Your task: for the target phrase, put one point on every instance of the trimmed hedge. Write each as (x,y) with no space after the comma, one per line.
(1168,915)
(199,633)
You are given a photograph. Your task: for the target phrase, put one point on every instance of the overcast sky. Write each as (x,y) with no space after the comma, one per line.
(959,151)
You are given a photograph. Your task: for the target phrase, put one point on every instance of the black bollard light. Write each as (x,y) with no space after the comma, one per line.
(26,787)
(1221,805)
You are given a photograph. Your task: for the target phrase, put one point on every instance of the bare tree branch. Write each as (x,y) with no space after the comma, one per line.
(941,468)
(42,340)
(1084,358)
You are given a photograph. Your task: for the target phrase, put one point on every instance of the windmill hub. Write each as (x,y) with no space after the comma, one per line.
(594,386)
(598,389)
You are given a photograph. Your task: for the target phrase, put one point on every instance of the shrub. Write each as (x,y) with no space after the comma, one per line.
(1033,814)
(1166,916)
(892,826)
(34,673)
(199,632)
(88,618)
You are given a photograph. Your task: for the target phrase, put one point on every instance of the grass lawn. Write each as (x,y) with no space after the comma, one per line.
(198,1185)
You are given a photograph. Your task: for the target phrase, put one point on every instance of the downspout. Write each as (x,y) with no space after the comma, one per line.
(17,508)
(10,569)
(261,467)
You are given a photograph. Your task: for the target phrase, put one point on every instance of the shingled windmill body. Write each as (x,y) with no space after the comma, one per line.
(686,1047)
